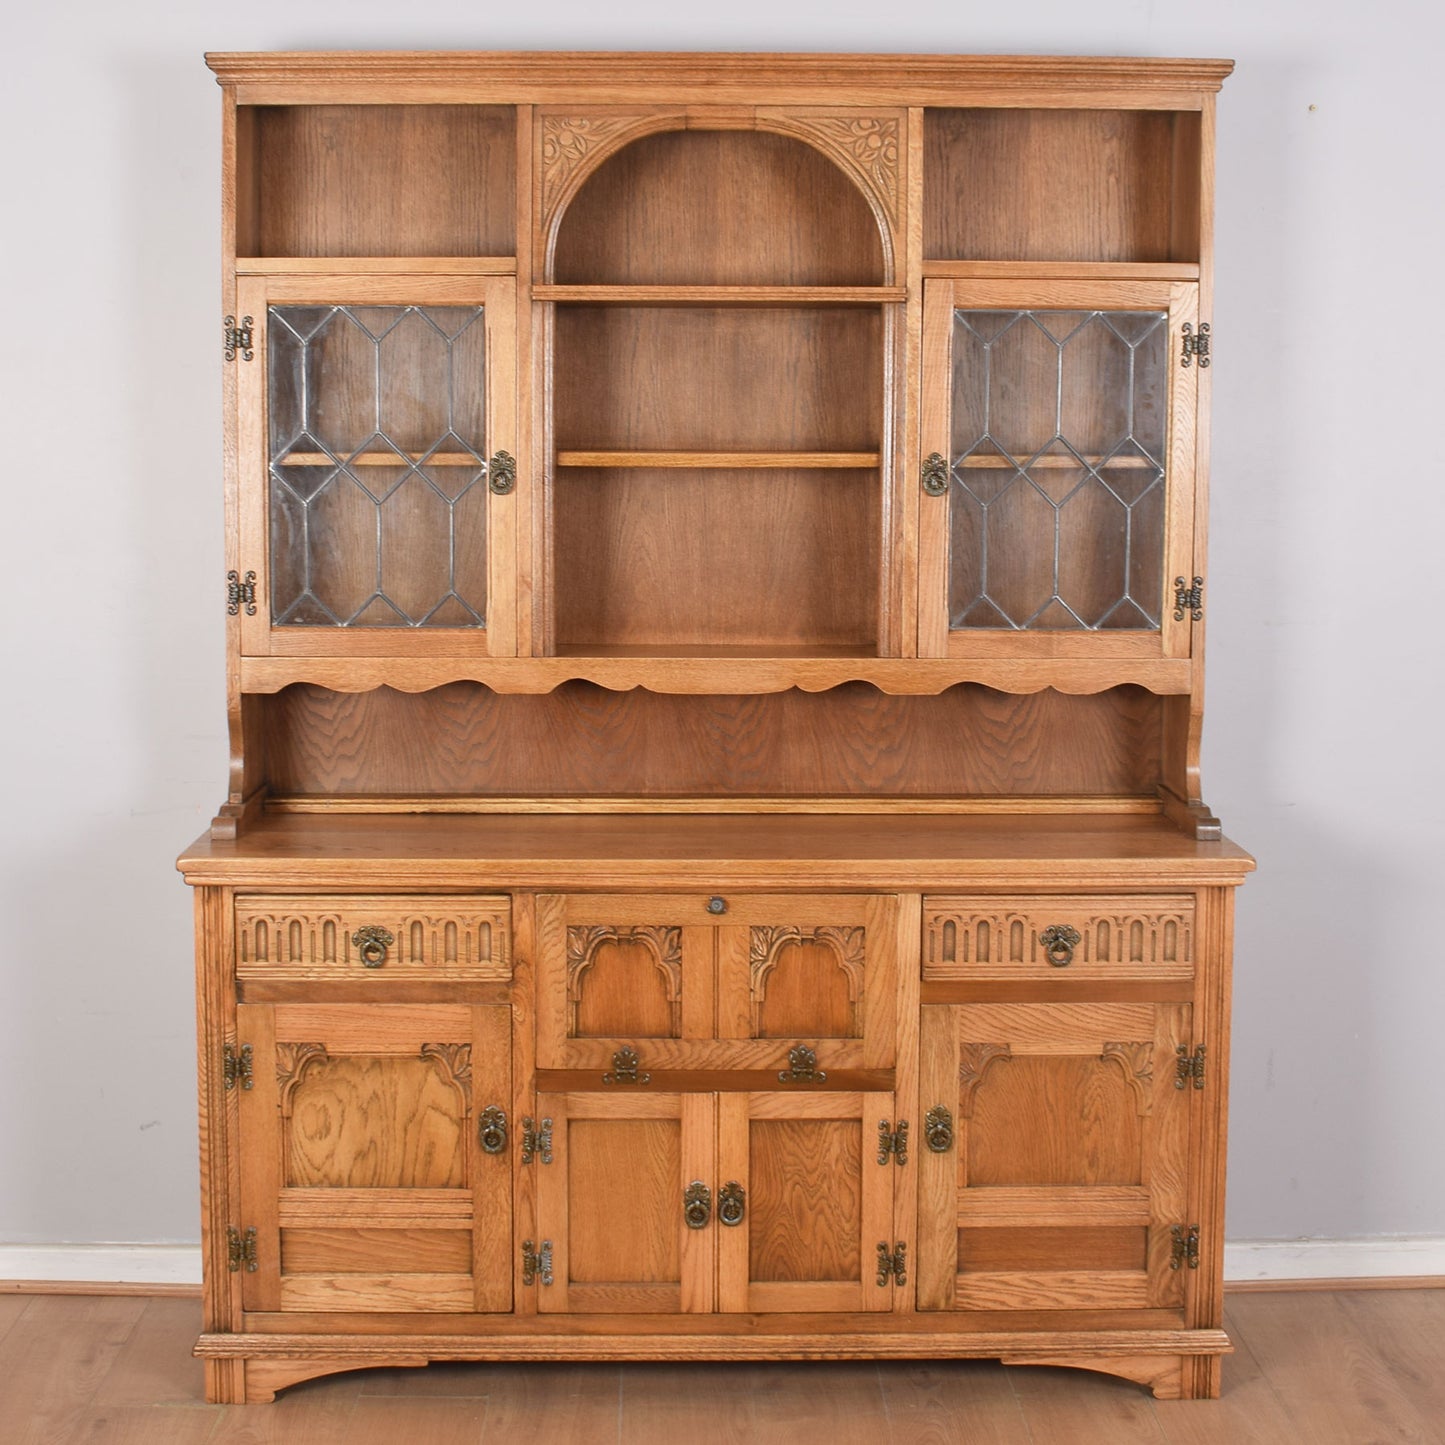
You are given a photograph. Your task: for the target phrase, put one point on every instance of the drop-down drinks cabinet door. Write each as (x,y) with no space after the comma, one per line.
(715,863)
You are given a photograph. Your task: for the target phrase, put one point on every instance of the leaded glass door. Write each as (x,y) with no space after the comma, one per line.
(377,440)
(1059,420)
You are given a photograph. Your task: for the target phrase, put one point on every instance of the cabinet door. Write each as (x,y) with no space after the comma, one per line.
(1065,1181)
(1059,421)
(368,1169)
(805,1201)
(377,420)
(613,1203)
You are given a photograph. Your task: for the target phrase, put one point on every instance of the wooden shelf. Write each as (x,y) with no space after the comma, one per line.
(376,265)
(721,295)
(1063,270)
(721,460)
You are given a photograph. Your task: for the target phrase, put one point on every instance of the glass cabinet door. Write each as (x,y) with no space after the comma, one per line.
(1058,479)
(378,480)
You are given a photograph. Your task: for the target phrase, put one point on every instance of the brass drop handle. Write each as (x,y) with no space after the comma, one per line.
(373,943)
(938,1129)
(492,1129)
(1059,941)
(697,1204)
(933,474)
(502,473)
(731,1199)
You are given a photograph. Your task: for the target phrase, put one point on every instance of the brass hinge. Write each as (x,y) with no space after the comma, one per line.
(624,1069)
(938,1129)
(239,591)
(1189,1066)
(1189,599)
(892,1263)
(893,1142)
(241,1250)
(536,1263)
(238,338)
(236,1066)
(1196,344)
(536,1140)
(1183,1246)
(802,1067)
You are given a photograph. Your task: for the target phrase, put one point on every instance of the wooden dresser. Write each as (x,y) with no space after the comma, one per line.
(714,864)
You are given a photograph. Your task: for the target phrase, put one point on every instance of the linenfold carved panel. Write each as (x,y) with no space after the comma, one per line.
(316,937)
(1000,938)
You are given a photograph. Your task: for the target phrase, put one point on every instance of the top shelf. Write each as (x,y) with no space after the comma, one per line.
(721,295)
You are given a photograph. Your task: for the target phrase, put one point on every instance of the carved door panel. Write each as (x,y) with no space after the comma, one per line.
(805,1202)
(815,970)
(624,971)
(1063,1186)
(615,1202)
(375,1166)
(1059,424)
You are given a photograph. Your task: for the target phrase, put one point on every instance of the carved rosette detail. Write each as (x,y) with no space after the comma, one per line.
(1137,1061)
(292,1063)
(455,1062)
(974,1061)
(663,941)
(767,941)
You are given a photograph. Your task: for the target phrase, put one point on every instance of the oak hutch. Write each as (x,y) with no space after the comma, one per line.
(714,863)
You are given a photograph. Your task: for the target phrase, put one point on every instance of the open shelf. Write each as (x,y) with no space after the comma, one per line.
(376,180)
(720,460)
(1014,185)
(722,295)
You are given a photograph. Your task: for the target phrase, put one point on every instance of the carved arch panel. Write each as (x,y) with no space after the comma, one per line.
(819,976)
(608,995)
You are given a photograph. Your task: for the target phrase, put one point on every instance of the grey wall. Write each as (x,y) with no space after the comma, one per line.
(1323,742)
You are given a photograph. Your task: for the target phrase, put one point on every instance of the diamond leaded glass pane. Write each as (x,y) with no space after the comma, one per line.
(1056,517)
(377,431)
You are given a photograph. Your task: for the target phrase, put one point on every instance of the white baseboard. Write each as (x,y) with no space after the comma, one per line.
(1382,1256)
(1244,1259)
(102,1263)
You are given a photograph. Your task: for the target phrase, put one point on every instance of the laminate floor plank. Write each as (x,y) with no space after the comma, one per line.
(548,1404)
(155,1365)
(1080,1407)
(52,1365)
(12,1306)
(315,1412)
(444,1379)
(1336,1387)
(1407,1328)
(704,1404)
(147,1425)
(417,1422)
(1248,1411)
(839,1402)
(940,1403)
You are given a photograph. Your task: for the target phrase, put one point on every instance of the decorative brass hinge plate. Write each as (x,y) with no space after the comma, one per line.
(624,1069)
(1183,1246)
(892,1263)
(240,591)
(1189,599)
(241,1250)
(1189,1067)
(238,338)
(1196,344)
(893,1143)
(236,1066)
(938,1129)
(536,1140)
(536,1263)
(802,1067)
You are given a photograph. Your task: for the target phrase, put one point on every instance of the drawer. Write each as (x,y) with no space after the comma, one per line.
(373,936)
(980,936)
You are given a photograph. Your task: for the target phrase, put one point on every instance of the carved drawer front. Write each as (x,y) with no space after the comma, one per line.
(723,980)
(380,937)
(1002,937)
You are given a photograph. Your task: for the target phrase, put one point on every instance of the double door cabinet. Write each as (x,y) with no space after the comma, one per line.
(714,862)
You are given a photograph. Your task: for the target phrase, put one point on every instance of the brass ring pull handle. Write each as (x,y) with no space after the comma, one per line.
(502,473)
(938,1129)
(731,1200)
(492,1129)
(373,943)
(697,1204)
(1059,941)
(934,474)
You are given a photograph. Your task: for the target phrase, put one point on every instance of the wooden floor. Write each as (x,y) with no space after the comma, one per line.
(1324,1368)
